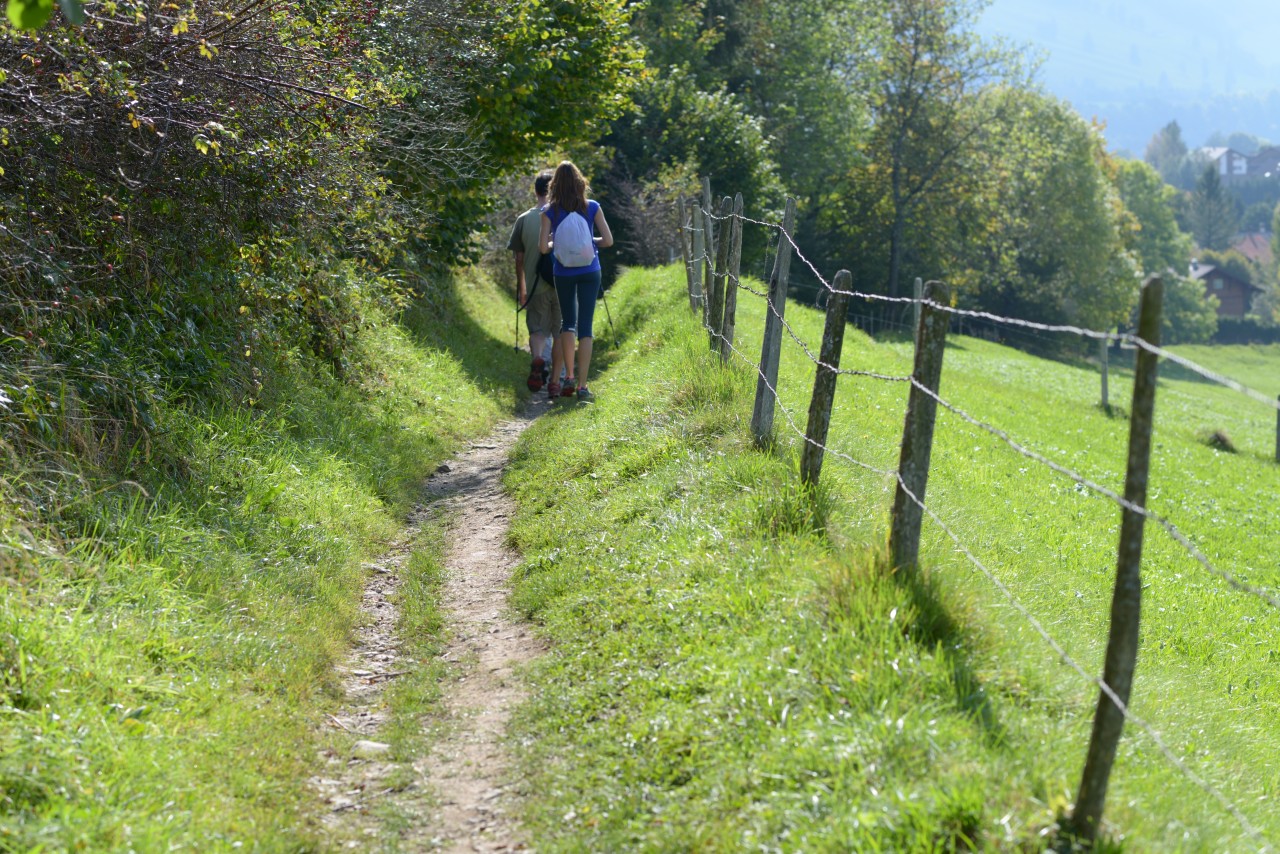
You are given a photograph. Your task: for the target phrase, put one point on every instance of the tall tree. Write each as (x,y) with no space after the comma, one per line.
(1154,235)
(1044,239)
(786,63)
(1166,152)
(1211,212)
(930,70)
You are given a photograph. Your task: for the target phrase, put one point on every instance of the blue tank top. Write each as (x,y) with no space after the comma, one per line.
(557,215)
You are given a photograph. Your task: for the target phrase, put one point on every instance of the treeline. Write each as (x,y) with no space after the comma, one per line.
(914,147)
(188,189)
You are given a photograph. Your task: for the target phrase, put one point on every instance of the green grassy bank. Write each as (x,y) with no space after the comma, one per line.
(169,616)
(734,668)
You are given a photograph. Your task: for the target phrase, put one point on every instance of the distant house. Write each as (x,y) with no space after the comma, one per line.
(1233,166)
(1255,246)
(1234,295)
(1265,164)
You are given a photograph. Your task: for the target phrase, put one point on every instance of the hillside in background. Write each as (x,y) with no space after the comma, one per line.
(1138,66)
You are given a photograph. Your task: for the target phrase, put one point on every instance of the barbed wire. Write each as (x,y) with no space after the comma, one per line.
(1083,332)
(1013,600)
(1169,527)
(1056,646)
(1173,531)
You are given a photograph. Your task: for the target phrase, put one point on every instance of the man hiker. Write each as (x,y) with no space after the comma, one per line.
(535,289)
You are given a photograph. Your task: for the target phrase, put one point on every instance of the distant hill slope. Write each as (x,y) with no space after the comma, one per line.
(1137,66)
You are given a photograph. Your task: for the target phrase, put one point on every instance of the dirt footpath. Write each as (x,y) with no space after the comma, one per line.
(465,777)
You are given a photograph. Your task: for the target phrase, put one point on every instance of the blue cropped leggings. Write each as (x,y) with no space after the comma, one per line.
(578,301)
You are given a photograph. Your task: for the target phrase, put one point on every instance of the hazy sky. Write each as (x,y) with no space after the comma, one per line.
(1129,62)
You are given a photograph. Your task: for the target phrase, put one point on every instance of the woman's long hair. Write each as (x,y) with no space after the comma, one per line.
(568,189)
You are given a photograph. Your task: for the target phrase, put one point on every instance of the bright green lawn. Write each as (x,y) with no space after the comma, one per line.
(726,677)
(168,627)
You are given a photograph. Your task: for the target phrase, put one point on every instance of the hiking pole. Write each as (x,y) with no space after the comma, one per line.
(612,332)
(520,306)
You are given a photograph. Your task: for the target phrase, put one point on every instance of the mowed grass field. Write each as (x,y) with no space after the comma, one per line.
(735,669)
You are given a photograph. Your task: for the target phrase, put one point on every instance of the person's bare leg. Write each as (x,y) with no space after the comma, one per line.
(557,354)
(558,361)
(584,360)
(537,343)
(566,353)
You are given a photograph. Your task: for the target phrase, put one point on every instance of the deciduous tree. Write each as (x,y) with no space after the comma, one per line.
(931,72)
(1154,234)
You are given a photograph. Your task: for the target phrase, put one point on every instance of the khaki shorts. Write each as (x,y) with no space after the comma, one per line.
(542,314)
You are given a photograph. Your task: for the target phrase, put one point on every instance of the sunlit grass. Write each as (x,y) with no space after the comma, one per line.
(731,674)
(167,630)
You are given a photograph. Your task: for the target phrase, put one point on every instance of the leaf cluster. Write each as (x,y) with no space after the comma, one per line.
(185,185)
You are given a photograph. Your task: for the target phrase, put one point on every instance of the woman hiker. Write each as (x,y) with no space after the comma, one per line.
(577,271)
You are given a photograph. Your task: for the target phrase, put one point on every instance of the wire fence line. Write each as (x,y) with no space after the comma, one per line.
(1124,338)
(1053,643)
(1182,539)
(726,276)
(1192,549)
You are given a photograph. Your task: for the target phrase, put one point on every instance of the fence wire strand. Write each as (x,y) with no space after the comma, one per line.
(1035,623)
(729,279)
(1082,332)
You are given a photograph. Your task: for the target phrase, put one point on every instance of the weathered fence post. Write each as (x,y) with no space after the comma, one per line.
(682,231)
(917,428)
(1104,347)
(1126,601)
(771,348)
(824,381)
(918,292)
(715,310)
(731,282)
(709,238)
(699,258)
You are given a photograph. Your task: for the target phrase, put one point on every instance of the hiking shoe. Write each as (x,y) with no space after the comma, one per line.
(567,390)
(537,374)
(585,395)
(553,389)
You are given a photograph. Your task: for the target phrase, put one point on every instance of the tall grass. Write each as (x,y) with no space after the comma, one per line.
(735,668)
(169,615)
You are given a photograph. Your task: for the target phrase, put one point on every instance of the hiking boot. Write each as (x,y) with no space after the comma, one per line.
(537,374)
(567,390)
(585,395)
(553,389)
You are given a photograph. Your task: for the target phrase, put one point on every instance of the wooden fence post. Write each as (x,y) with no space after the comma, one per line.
(1126,601)
(918,292)
(686,250)
(715,309)
(1104,346)
(824,381)
(917,428)
(708,258)
(731,282)
(771,348)
(686,254)
(699,251)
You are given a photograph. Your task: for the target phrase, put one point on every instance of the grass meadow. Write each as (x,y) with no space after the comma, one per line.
(169,620)
(734,668)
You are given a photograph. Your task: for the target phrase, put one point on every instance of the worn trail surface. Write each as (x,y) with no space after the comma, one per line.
(466,777)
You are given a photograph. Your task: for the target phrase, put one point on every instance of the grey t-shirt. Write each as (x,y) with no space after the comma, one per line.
(524,236)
